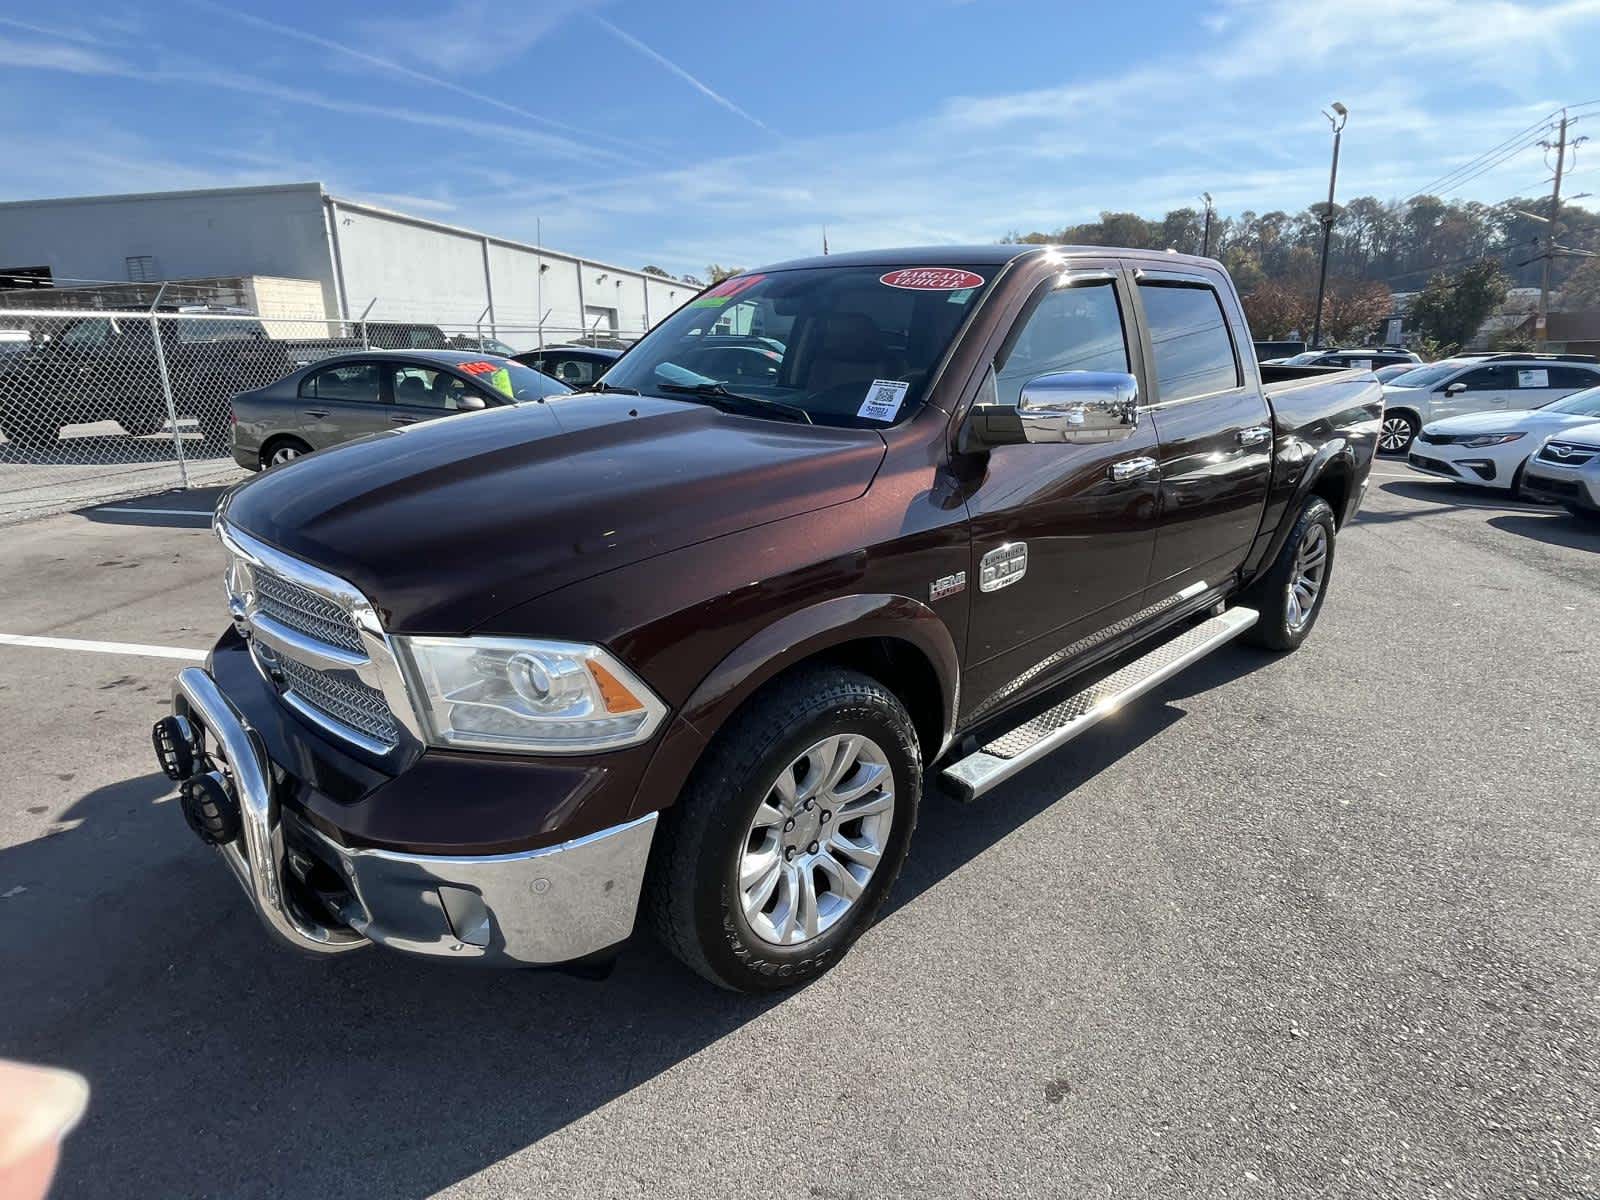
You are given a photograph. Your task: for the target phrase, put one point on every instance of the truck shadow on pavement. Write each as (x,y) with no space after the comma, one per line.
(1558,528)
(221,1066)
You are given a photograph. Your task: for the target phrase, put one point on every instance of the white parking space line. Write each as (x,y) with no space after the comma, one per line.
(155,512)
(139,648)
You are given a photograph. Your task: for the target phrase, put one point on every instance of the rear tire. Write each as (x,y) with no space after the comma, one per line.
(730,890)
(1398,431)
(1290,595)
(282,450)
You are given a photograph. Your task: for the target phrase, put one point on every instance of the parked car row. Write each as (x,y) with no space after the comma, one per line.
(1474,383)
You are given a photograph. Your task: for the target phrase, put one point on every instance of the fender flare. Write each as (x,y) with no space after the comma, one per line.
(788,641)
(1334,452)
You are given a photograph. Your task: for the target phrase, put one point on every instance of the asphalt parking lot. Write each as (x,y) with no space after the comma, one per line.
(1320,925)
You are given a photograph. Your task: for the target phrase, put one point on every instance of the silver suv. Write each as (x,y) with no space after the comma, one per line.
(1471,383)
(1566,470)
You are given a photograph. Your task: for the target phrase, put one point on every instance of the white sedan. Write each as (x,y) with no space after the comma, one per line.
(1489,449)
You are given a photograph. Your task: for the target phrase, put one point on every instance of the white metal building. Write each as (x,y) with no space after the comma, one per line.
(406,268)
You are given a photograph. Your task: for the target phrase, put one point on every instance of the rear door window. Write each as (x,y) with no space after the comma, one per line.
(1189,338)
(1572,378)
(352,383)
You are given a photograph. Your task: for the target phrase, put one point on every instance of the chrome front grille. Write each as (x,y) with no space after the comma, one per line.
(318,642)
(1567,454)
(305,611)
(342,697)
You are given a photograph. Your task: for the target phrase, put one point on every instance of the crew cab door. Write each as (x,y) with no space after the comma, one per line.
(1061,532)
(1213,427)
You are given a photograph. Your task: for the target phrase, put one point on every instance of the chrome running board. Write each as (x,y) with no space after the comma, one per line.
(1009,753)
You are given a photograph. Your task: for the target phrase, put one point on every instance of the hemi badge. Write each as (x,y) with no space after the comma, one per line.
(947,585)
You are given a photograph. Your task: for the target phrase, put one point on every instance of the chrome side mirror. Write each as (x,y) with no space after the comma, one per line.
(1455,389)
(1079,407)
(470,403)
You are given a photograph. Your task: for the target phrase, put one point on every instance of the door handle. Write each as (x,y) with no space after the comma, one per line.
(1255,435)
(1132,468)
(404,420)
(319,413)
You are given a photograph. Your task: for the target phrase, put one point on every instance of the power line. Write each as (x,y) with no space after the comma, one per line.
(1446,179)
(1449,180)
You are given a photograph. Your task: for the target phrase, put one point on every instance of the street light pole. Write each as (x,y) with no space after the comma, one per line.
(1205,241)
(1337,120)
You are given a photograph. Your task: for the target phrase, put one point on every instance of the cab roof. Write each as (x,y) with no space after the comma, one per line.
(988,254)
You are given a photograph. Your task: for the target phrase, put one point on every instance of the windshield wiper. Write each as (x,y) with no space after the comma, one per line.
(600,385)
(714,392)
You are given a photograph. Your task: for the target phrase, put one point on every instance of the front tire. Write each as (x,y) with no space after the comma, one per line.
(1290,595)
(789,834)
(1398,431)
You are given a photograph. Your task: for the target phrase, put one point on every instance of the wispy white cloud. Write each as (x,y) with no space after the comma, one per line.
(46,56)
(467,34)
(704,89)
(389,65)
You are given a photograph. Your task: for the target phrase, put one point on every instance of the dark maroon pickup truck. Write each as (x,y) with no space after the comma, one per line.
(690,642)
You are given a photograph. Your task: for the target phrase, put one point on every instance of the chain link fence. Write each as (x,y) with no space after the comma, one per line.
(104,405)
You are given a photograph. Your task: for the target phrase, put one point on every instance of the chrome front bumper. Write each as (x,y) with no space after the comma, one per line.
(543,906)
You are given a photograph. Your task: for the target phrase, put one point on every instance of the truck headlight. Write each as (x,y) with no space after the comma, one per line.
(1491,439)
(527,697)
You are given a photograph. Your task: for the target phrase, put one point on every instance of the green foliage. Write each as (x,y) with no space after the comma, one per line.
(655,270)
(718,274)
(1453,306)
(1582,289)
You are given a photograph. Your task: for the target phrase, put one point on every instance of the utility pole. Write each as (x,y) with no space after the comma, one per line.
(1542,323)
(1205,239)
(1343,114)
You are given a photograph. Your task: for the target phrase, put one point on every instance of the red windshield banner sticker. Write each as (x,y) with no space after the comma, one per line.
(931,279)
(726,290)
(479,368)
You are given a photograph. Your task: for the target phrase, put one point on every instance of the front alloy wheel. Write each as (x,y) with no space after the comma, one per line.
(1399,430)
(816,839)
(789,833)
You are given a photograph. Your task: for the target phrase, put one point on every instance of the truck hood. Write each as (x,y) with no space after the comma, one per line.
(447,523)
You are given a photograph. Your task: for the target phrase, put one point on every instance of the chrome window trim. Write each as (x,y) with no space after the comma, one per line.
(379,669)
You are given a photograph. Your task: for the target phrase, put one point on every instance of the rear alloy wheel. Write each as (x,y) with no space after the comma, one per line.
(285,450)
(790,833)
(1398,432)
(1290,595)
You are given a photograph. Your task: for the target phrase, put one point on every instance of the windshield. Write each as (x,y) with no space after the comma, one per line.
(850,346)
(1425,376)
(1305,358)
(1580,404)
(512,379)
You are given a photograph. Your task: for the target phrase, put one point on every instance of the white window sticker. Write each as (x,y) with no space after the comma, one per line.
(883,399)
(1364,364)
(1538,377)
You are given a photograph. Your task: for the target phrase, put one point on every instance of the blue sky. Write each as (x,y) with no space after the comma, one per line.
(683,134)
